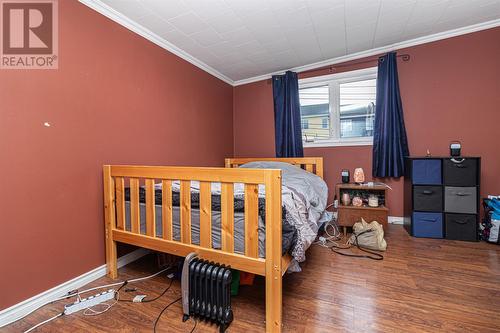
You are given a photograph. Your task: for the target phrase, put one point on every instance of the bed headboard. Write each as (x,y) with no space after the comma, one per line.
(311,164)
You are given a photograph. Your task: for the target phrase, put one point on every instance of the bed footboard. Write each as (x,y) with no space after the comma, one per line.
(117,178)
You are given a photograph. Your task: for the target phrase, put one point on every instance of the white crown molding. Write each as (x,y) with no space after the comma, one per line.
(379,50)
(121,19)
(19,310)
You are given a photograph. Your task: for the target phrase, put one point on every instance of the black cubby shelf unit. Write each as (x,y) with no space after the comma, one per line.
(442,197)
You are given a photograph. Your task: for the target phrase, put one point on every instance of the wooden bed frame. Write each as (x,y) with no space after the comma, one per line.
(272,266)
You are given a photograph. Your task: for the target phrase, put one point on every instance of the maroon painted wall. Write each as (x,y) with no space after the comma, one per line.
(450,90)
(116,98)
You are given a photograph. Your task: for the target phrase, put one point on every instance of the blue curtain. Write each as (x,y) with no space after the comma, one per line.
(390,144)
(287,130)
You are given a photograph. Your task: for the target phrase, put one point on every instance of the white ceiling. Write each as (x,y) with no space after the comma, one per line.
(241,39)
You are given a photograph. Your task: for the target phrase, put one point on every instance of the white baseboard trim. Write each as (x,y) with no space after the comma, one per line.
(395,219)
(17,311)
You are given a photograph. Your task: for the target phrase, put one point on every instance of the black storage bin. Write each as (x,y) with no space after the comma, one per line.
(461,227)
(460,171)
(428,198)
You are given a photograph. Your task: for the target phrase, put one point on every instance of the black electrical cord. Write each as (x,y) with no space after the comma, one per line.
(194,327)
(376,256)
(148,300)
(164,309)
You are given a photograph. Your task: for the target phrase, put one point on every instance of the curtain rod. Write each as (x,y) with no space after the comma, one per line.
(404,57)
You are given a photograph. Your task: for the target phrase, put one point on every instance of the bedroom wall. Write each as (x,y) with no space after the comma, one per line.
(115,99)
(450,90)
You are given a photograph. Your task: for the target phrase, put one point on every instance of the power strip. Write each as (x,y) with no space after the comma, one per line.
(89,302)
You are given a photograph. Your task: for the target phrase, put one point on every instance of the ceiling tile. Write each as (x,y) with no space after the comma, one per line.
(130,8)
(166,9)
(188,23)
(207,37)
(248,8)
(332,17)
(239,36)
(227,21)
(155,24)
(361,12)
(333,43)
(207,9)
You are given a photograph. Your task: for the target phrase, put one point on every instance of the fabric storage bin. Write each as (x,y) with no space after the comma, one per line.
(426,171)
(460,172)
(427,225)
(460,200)
(428,198)
(461,227)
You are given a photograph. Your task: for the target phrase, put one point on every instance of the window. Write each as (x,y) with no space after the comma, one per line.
(314,103)
(339,108)
(304,123)
(325,122)
(345,127)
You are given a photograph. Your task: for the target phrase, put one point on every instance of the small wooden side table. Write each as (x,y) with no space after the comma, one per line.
(348,215)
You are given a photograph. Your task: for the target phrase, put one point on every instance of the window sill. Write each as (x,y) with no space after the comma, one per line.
(339,143)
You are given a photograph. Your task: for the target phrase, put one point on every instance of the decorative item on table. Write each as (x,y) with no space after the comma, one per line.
(359,175)
(373,200)
(345,176)
(428,153)
(346,199)
(357,201)
(455,147)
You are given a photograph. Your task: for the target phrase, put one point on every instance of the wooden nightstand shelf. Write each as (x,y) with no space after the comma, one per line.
(348,215)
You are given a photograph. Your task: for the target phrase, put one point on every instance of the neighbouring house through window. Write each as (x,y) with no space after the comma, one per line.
(338,109)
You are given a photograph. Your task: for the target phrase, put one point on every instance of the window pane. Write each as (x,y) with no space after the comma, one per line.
(357,108)
(314,112)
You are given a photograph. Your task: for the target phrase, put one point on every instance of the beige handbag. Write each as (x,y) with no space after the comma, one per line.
(368,235)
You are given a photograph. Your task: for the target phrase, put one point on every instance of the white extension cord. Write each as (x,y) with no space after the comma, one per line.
(89,302)
(107,295)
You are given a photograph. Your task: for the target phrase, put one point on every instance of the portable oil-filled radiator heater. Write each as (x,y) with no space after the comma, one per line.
(206,291)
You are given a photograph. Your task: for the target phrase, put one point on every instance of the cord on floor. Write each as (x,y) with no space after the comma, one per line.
(162,311)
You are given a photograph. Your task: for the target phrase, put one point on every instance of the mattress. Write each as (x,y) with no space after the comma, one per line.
(239,227)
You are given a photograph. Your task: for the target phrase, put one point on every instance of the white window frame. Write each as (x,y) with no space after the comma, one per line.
(334,81)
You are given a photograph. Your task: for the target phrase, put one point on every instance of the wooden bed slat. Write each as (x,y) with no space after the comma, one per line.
(120,203)
(252,220)
(205,214)
(185,211)
(227,211)
(166,209)
(310,168)
(150,208)
(273,252)
(319,168)
(134,206)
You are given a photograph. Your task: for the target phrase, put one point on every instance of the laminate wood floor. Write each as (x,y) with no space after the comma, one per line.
(422,285)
